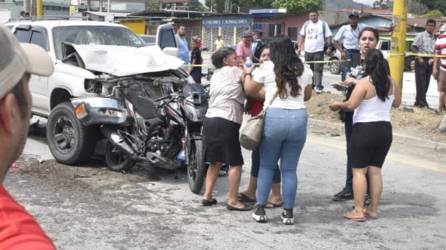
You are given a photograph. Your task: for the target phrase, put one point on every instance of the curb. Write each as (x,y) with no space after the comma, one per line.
(409,139)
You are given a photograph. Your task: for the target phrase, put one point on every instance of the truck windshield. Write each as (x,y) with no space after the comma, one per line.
(98,35)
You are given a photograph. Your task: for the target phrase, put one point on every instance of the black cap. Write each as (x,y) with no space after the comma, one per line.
(354,14)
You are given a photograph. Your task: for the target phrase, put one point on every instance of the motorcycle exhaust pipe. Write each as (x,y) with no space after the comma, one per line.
(119,141)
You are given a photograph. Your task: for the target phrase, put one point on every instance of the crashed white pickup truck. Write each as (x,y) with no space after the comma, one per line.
(85,55)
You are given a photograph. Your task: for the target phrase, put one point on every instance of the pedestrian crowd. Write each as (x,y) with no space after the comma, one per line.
(279,87)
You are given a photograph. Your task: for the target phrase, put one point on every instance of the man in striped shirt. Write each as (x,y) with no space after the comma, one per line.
(439,70)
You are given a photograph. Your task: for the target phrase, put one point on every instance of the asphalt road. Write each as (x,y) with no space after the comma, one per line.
(90,207)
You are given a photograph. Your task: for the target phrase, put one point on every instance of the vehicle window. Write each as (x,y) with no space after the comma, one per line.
(385,45)
(39,39)
(148,39)
(167,39)
(23,36)
(99,35)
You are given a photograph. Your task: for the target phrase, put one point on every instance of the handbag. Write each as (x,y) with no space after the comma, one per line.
(251,132)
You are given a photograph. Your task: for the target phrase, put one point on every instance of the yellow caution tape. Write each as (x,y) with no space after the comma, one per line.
(256,64)
(425,55)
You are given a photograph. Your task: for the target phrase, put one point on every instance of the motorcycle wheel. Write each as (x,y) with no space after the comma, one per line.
(116,159)
(196,169)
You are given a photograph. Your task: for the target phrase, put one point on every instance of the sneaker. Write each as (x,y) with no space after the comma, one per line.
(318,91)
(344,195)
(259,214)
(287,216)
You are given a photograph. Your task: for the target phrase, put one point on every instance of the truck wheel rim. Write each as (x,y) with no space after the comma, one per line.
(64,135)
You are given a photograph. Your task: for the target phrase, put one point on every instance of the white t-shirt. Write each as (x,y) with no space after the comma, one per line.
(314,35)
(266,76)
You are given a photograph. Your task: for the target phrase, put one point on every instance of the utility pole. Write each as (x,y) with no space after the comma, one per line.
(397,52)
(39,8)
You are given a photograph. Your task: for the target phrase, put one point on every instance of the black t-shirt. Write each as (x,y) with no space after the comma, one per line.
(196,58)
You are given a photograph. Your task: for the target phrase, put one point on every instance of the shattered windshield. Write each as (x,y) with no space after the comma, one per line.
(98,35)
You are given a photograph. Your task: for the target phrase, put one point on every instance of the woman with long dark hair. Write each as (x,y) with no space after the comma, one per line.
(368,39)
(371,100)
(287,85)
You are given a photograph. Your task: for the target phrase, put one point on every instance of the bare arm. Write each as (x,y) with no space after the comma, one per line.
(435,68)
(397,93)
(251,87)
(301,43)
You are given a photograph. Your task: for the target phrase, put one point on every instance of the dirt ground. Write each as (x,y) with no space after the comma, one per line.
(410,121)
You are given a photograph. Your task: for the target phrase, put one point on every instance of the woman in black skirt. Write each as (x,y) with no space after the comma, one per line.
(221,127)
(371,100)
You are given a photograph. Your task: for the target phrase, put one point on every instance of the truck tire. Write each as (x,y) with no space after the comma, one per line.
(69,141)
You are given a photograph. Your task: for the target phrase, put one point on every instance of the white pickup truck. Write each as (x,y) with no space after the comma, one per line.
(83,52)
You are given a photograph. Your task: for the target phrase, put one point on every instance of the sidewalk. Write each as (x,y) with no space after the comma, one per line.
(414,142)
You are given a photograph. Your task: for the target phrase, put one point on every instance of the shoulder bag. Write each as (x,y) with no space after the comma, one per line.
(251,132)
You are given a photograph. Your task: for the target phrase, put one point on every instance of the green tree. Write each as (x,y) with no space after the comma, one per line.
(297,5)
(434,13)
(435,5)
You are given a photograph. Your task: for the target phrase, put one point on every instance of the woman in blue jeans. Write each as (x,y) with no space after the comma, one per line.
(287,85)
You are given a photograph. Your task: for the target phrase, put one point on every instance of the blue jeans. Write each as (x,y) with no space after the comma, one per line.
(355,58)
(284,136)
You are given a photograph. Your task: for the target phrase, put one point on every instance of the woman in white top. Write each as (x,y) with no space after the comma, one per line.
(371,100)
(287,84)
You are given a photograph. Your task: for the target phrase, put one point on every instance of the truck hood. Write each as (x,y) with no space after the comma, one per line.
(125,61)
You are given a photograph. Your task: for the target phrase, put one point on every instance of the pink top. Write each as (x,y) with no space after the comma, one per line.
(243,51)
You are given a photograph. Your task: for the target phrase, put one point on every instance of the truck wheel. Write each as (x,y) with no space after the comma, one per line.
(69,141)
(196,169)
(116,159)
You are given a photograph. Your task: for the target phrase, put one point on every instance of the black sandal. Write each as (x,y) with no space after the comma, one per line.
(208,203)
(233,208)
(245,198)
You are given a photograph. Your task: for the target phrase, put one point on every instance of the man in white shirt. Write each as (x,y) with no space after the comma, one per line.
(315,35)
(347,42)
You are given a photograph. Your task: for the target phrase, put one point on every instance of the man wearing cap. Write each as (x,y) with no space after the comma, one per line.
(315,36)
(243,49)
(347,42)
(18,229)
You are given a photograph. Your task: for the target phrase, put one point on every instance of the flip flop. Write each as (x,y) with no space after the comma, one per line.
(232,208)
(271,204)
(245,198)
(208,203)
(353,217)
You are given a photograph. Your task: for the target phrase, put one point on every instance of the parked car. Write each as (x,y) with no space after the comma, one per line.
(385,45)
(164,38)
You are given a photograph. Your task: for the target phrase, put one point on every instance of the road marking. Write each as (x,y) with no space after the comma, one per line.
(404,160)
